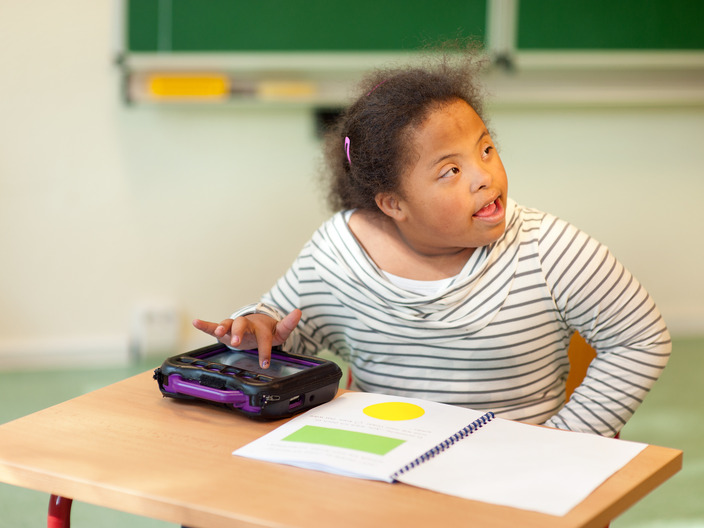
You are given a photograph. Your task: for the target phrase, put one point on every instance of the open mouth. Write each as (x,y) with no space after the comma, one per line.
(489,210)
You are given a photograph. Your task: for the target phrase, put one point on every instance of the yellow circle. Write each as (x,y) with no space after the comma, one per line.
(394,411)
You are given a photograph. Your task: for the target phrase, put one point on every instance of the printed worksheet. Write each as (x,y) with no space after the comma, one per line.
(448,449)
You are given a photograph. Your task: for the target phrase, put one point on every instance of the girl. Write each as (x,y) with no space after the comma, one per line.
(433,283)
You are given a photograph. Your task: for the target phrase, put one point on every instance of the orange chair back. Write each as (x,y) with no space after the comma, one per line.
(580,354)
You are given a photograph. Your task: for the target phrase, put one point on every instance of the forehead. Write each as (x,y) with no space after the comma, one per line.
(447,121)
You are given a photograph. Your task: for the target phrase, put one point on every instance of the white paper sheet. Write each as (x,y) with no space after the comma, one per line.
(524,466)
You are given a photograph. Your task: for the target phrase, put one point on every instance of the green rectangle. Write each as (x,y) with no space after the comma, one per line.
(300,25)
(608,25)
(368,443)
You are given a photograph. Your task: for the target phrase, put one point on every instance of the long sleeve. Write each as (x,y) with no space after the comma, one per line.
(599,298)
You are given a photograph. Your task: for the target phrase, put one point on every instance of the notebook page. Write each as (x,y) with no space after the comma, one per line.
(524,466)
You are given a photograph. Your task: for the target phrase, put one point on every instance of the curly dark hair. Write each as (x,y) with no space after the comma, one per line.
(379,124)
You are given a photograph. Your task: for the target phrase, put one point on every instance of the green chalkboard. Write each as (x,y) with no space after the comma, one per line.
(399,25)
(299,25)
(611,24)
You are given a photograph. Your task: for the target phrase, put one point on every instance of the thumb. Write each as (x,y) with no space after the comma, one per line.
(286,326)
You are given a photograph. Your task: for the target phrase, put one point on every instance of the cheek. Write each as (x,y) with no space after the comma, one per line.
(450,216)
(448,210)
(440,210)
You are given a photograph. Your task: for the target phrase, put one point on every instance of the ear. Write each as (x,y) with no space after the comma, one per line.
(390,205)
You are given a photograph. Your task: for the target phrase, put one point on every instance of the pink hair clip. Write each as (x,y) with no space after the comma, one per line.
(347,149)
(377,86)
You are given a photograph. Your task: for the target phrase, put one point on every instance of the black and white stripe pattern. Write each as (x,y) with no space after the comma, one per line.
(496,337)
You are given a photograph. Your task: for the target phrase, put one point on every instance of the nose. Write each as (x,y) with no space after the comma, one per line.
(481,178)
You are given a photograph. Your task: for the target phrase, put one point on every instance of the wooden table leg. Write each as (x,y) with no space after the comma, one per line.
(59,512)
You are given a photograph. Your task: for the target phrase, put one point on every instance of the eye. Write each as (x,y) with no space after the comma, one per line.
(451,172)
(487,150)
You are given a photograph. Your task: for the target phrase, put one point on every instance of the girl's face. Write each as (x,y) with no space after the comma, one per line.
(453,195)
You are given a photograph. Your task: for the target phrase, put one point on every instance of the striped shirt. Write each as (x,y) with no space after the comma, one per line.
(495,337)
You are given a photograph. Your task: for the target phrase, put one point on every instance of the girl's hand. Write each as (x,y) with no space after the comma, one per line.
(252,331)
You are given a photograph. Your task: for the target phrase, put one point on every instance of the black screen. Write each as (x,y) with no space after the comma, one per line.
(243,360)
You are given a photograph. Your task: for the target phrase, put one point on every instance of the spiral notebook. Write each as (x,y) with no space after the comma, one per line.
(448,449)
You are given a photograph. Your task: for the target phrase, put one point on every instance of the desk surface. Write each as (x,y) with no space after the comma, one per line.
(125,447)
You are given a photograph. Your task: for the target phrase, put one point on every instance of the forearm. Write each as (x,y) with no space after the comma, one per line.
(618,380)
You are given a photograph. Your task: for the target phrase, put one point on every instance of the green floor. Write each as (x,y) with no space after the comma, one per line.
(671,416)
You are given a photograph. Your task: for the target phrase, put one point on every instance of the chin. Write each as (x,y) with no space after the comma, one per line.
(496,233)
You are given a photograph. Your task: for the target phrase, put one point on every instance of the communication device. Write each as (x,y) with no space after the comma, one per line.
(218,375)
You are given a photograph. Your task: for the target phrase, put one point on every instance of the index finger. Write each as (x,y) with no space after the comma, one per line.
(265,338)
(255,330)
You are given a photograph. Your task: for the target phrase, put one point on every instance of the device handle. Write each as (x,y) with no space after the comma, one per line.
(176,383)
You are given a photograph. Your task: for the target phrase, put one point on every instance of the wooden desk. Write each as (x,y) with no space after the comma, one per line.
(125,447)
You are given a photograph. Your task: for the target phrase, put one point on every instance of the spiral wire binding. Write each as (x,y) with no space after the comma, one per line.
(466,431)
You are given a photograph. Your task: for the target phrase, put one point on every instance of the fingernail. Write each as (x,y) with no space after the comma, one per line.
(265,363)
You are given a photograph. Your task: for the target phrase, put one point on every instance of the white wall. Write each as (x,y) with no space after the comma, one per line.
(105,208)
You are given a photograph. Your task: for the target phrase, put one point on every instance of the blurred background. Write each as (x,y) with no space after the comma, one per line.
(160,160)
